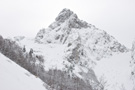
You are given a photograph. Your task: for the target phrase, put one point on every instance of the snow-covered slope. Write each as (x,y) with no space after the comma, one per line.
(115,72)
(14,77)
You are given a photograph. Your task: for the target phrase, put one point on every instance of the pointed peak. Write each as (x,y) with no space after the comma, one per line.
(64,15)
(66,10)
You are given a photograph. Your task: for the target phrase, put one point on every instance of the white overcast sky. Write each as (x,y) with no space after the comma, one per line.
(27,17)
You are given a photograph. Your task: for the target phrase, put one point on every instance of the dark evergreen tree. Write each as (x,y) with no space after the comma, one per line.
(24,49)
(31,52)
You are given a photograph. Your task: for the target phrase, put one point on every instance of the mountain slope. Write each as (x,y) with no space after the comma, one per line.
(116,72)
(14,77)
(75,47)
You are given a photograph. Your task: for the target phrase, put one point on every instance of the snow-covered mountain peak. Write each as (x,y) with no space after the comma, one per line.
(67,28)
(70,19)
(84,42)
(64,15)
(18,38)
(63,25)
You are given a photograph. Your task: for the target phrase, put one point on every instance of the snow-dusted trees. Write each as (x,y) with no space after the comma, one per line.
(20,56)
(60,80)
(31,52)
(24,49)
(1,43)
(133,59)
(133,50)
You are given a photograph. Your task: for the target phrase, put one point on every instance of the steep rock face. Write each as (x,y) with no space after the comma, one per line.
(60,29)
(73,21)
